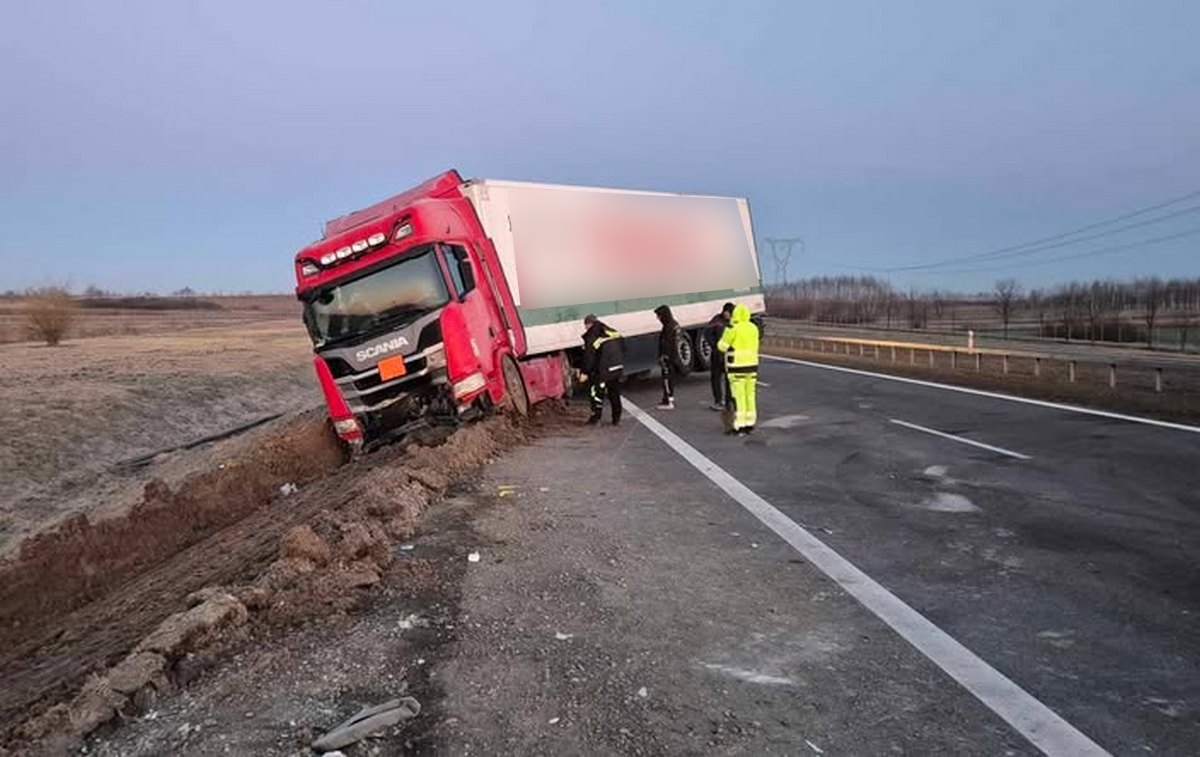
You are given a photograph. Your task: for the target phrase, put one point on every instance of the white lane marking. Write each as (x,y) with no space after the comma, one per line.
(1044,728)
(995,395)
(961,439)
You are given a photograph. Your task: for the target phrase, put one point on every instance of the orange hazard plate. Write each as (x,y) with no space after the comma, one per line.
(392,367)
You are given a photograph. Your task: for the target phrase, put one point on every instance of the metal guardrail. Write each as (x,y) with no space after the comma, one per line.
(895,351)
(1082,351)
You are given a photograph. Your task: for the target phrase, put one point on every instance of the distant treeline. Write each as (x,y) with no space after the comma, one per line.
(147,303)
(1100,310)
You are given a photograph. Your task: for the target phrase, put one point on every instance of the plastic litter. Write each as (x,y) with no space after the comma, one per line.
(366,722)
(288,489)
(473,557)
(554,721)
(643,692)
(563,636)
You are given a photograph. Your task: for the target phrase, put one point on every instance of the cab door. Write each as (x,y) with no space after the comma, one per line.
(477,312)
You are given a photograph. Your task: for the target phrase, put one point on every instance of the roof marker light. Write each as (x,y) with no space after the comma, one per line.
(402,231)
(359,246)
(328,258)
(344,253)
(377,239)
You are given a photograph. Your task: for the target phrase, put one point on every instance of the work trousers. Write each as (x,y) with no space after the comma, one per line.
(668,378)
(601,390)
(745,408)
(719,381)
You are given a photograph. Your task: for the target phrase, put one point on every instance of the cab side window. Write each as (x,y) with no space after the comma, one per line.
(459,264)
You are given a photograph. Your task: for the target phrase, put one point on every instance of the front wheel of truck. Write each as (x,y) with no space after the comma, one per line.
(515,396)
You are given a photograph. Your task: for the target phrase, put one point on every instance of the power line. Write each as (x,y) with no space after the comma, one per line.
(1078,255)
(1041,248)
(1042,243)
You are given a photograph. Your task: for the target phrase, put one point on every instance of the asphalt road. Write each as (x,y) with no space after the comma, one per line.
(1066,558)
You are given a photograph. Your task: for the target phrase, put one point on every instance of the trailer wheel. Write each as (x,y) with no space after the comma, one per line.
(704,351)
(684,354)
(515,396)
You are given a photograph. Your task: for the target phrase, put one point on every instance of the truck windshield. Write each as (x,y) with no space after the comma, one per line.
(385,298)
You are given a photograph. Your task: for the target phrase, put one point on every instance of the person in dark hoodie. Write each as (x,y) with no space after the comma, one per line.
(603,367)
(668,339)
(722,399)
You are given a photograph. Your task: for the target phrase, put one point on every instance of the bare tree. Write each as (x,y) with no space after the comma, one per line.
(918,309)
(51,312)
(1037,303)
(1152,300)
(1099,300)
(1008,291)
(938,299)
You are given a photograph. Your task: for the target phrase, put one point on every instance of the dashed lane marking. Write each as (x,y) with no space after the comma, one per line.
(1044,728)
(961,439)
(993,395)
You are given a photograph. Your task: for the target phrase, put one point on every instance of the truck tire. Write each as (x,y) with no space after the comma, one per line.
(684,354)
(516,398)
(568,377)
(704,350)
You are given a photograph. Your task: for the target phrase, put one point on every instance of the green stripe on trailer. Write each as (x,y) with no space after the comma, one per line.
(566,313)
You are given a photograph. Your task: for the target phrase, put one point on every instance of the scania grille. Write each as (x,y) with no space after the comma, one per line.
(366,391)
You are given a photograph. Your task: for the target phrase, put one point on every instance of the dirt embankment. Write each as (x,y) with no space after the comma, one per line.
(115,606)
(59,570)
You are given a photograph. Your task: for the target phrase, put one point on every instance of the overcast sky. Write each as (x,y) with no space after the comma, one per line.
(157,145)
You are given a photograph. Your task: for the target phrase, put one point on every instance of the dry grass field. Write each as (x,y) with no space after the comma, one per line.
(126,383)
(96,320)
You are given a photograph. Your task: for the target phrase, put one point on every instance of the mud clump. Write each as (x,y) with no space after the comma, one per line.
(302,542)
(62,569)
(136,680)
(324,565)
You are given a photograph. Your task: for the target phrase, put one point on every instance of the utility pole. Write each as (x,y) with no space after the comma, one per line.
(781,252)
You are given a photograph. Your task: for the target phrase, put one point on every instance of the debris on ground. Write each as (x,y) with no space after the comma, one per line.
(368,721)
(209,555)
(473,557)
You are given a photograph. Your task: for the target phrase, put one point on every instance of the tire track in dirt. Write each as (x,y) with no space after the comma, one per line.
(77,599)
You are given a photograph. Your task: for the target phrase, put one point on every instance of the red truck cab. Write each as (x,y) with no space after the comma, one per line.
(409,313)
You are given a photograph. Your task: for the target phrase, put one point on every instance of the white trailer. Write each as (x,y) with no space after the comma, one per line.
(568,251)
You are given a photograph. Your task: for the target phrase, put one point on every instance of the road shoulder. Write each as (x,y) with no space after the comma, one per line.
(623,604)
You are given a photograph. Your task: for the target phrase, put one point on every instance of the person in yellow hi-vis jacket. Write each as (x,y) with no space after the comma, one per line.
(739,344)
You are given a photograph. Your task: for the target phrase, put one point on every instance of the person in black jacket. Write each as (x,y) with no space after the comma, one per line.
(722,399)
(603,367)
(668,340)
